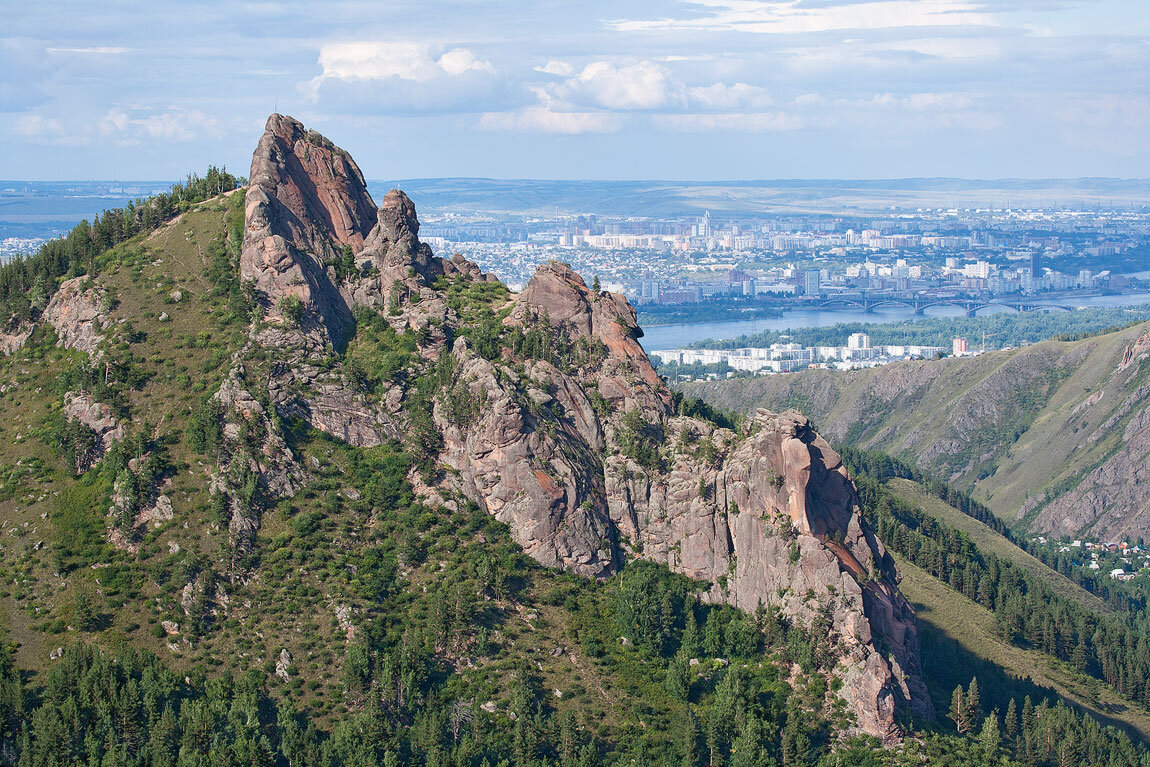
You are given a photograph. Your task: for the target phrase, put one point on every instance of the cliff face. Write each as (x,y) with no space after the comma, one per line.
(553,420)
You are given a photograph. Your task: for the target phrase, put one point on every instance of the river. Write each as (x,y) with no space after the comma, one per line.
(682,334)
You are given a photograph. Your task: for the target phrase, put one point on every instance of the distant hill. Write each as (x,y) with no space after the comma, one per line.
(666,198)
(1050,436)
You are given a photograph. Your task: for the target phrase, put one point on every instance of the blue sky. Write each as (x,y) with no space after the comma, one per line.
(708,89)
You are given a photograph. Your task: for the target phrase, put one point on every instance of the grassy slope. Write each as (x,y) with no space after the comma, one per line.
(187,355)
(906,408)
(991,542)
(944,613)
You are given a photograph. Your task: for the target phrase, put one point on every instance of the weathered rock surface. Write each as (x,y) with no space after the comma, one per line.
(537,439)
(1113,500)
(14,338)
(76,313)
(269,467)
(778,521)
(306,199)
(97,416)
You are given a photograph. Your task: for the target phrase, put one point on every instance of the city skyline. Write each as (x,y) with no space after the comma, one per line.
(713,89)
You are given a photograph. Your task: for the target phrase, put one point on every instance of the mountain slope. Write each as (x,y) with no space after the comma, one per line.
(280,418)
(993,542)
(950,620)
(1022,428)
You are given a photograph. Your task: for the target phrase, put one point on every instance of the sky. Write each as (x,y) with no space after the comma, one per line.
(588,89)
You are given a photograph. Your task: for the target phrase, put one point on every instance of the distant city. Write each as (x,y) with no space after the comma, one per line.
(791,357)
(967,259)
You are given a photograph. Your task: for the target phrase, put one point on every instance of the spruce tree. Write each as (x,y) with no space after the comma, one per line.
(1011,720)
(973,703)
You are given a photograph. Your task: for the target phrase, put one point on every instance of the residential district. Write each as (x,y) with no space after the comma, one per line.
(1119,560)
(968,258)
(789,357)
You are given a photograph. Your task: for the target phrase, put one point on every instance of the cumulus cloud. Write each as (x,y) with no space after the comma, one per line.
(404,78)
(416,62)
(642,86)
(37,126)
(131,126)
(727,97)
(555,67)
(542,119)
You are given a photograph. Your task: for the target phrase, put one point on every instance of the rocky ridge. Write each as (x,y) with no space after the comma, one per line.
(546,441)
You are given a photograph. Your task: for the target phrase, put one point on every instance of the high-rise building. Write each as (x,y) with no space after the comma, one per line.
(811,282)
(959,346)
(704,228)
(1036,263)
(858,341)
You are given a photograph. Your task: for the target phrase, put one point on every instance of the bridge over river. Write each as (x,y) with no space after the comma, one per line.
(920,305)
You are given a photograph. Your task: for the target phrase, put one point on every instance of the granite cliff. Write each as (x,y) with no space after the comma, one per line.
(549,415)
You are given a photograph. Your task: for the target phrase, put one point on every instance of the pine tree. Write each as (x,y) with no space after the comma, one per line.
(747,750)
(958,710)
(677,681)
(990,736)
(689,645)
(595,285)
(689,740)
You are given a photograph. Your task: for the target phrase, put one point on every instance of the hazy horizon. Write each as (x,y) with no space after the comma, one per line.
(592,90)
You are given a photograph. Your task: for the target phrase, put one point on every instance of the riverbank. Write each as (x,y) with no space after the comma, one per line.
(843,323)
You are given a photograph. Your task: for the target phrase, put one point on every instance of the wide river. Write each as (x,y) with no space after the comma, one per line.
(675,336)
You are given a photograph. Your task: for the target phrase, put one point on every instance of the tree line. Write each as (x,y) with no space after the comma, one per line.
(26,284)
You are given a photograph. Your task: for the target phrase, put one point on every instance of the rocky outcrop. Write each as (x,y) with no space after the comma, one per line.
(774,521)
(15,337)
(1135,352)
(76,313)
(562,429)
(98,417)
(768,517)
(257,461)
(306,201)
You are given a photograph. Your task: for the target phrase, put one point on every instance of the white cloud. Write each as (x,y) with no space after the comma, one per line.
(744,122)
(416,62)
(99,50)
(457,61)
(38,126)
(555,67)
(172,125)
(792,17)
(728,97)
(542,119)
(641,86)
